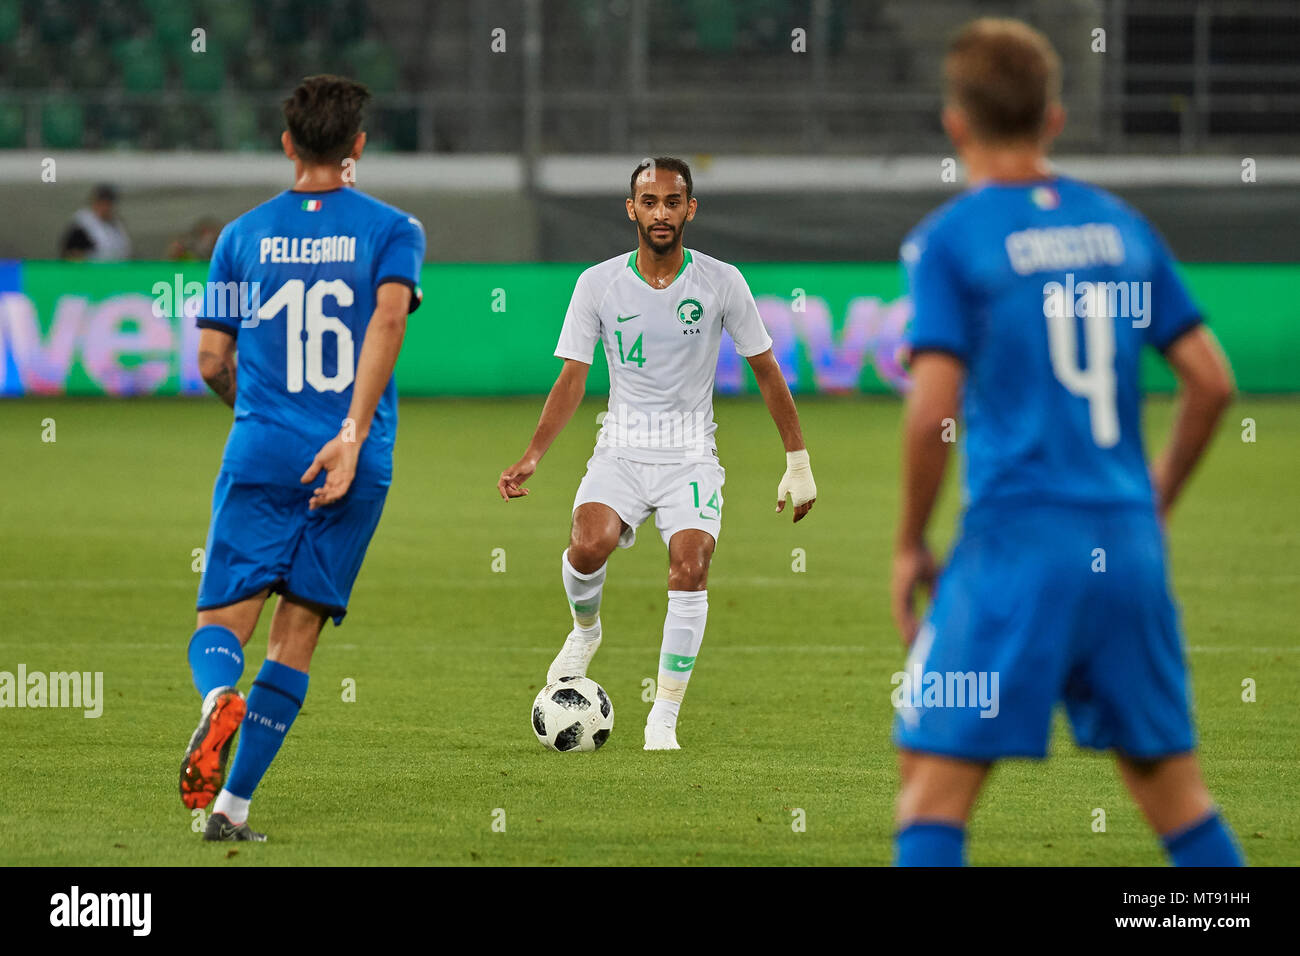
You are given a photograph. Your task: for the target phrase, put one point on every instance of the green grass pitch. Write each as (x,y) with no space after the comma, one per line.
(788,710)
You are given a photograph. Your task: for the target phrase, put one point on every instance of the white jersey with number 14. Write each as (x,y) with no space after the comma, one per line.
(662,349)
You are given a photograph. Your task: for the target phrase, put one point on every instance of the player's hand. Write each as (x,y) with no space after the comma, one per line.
(797,483)
(510,484)
(913,567)
(339,459)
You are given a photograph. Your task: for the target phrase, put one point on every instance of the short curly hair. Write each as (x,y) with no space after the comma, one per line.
(323,115)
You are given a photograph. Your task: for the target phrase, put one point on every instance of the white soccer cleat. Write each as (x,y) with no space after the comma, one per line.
(574,657)
(660,736)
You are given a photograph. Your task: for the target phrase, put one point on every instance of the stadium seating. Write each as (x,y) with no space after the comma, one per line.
(13,134)
(438,85)
(11,19)
(62,122)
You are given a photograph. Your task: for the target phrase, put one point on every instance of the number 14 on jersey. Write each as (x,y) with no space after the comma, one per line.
(634,355)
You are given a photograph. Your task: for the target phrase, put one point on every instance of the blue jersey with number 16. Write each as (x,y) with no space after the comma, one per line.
(1047,293)
(317,260)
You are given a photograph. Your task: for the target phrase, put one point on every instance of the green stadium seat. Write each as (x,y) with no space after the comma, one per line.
(203,72)
(11,20)
(144,70)
(228,22)
(63,123)
(715,25)
(56,22)
(373,64)
(173,22)
(13,126)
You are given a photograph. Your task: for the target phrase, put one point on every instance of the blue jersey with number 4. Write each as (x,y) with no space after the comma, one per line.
(315,261)
(1047,292)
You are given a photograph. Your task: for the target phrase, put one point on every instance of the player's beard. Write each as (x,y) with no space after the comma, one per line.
(664,246)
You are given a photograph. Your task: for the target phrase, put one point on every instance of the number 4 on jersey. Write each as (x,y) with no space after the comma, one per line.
(1096,380)
(633,356)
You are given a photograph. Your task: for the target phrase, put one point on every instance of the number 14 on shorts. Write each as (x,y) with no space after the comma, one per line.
(712,508)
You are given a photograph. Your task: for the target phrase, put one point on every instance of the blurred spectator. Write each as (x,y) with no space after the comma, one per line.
(197,243)
(96,233)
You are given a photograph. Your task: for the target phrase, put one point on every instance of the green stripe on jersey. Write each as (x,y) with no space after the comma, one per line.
(686,261)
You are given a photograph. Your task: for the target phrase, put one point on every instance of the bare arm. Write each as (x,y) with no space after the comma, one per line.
(217,363)
(566,394)
(1207,390)
(338,457)
(379,352)
(777,398)
(797,481)
(936,395)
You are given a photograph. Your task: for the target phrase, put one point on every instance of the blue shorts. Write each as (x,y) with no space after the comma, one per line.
(1024,617)
(263,536)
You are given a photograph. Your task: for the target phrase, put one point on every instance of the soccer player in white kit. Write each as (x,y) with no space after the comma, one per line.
(659,312)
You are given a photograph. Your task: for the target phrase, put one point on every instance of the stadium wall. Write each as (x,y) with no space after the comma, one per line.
(752,209)
(490,329)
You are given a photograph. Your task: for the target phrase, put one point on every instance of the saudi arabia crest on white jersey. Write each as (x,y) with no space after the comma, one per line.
(662,349)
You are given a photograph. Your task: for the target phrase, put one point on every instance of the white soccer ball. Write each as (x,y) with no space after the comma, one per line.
(572,714)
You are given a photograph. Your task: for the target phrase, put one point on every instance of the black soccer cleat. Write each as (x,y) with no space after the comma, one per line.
(220,829)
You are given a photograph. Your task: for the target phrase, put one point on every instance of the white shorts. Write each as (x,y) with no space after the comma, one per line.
(681,496)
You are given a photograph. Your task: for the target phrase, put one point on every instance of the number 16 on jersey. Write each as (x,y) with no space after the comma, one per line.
(306,309)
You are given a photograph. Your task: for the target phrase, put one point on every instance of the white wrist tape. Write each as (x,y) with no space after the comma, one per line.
(798,479)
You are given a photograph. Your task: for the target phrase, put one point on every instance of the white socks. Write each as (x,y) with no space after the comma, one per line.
(235,808)
(583,591)
(683,633)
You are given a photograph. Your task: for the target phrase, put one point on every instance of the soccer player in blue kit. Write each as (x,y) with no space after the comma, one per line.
(1033,296)
(308,370)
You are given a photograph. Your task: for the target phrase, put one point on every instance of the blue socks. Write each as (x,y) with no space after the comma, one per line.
(1208,842)
(273,703)
(216,658)
(930,843)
